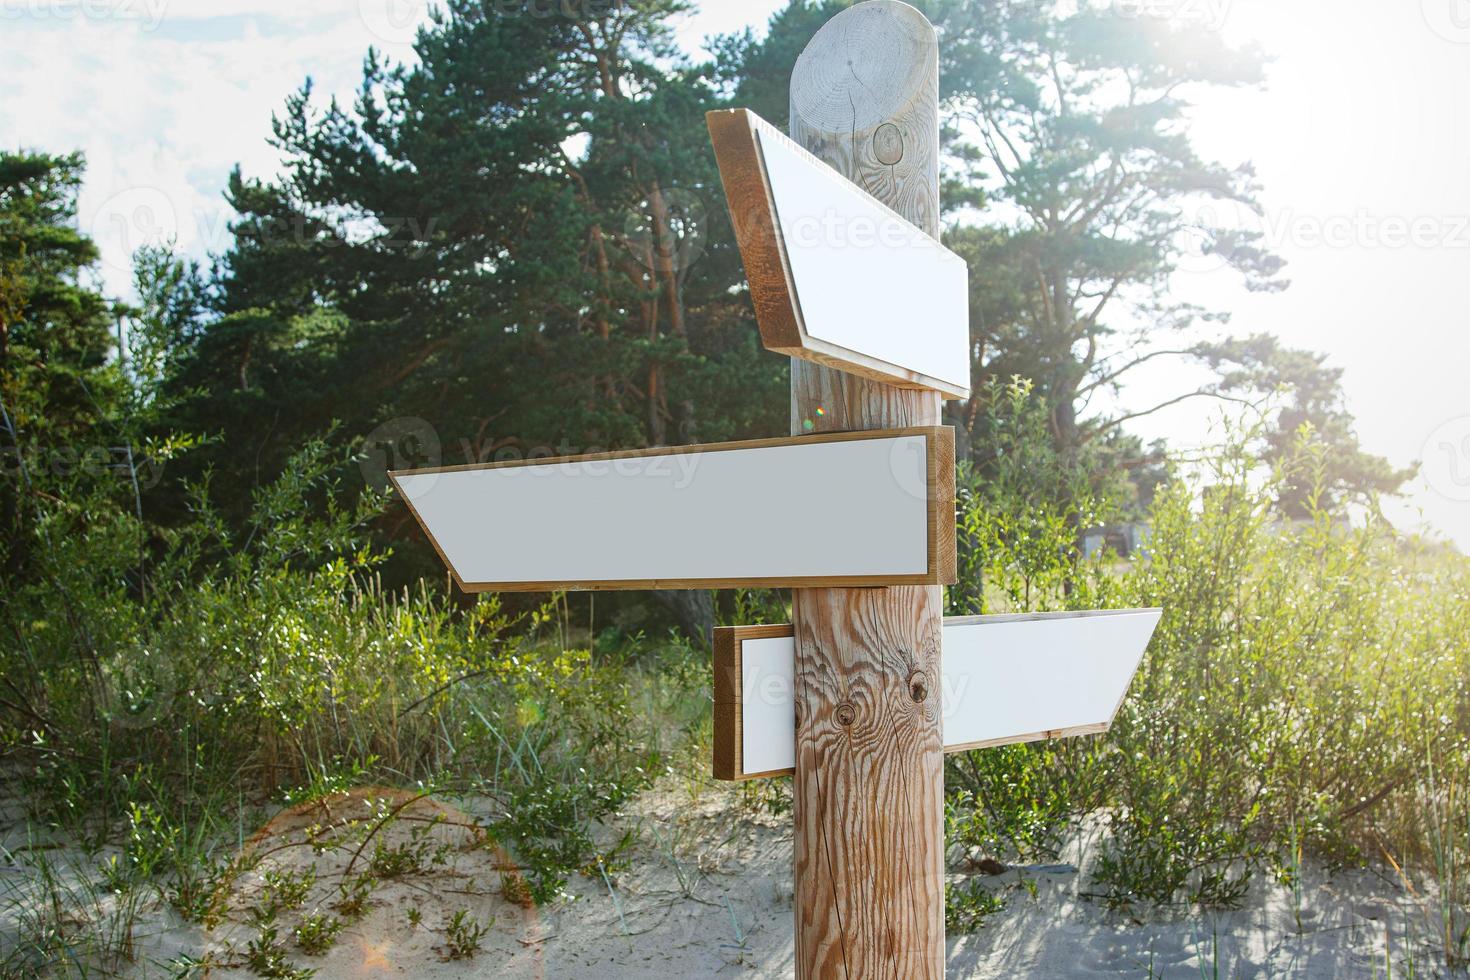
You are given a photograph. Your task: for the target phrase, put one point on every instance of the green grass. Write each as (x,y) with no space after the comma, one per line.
(462,935)
(967,906)
(1307,697)
(317,933)
(168,724)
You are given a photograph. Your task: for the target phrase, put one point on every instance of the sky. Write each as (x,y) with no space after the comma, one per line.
(1361,141)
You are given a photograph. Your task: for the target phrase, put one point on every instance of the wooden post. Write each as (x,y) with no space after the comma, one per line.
(869,783)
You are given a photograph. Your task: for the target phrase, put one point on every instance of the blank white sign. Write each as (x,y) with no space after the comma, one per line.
(866,280)
(851,508)
(768,729)
(1004,679)
(1023,678)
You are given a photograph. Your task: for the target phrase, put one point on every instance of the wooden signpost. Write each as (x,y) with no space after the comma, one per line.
(868,791)
(769,512)
(824,258)
(1005,679)
(864,692)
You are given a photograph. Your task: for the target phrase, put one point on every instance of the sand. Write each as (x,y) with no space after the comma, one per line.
(706,892)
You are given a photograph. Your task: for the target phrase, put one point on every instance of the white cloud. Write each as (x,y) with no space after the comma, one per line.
(165,96)
(163,108)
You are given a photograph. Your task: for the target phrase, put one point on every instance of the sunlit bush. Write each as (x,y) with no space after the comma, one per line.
(1307,678)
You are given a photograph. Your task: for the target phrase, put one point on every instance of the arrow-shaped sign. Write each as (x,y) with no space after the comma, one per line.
(841,509)
(837,276)
(1005,679)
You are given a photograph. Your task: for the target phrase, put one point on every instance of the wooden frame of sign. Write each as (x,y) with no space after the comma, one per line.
(836,276)
(870,508)
(1016,661)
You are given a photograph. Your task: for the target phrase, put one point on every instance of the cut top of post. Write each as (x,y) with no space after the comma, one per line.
(865,99)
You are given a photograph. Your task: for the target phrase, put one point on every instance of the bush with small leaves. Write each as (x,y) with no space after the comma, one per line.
(462,934)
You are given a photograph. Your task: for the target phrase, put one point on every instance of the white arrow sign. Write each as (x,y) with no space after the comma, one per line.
(835,275)
(1006,679)
(842,509)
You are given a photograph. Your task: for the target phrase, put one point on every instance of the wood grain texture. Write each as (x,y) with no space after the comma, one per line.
(1019,691)
(753,217)
(865,97)
(729,729)
(869,781)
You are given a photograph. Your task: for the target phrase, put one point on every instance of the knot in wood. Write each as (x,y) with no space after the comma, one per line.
(888,144)
(919,686)
(846,714)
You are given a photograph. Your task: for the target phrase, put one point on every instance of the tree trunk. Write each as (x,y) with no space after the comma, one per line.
(693,611)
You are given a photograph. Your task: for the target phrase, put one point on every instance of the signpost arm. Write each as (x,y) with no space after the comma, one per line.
(868,790)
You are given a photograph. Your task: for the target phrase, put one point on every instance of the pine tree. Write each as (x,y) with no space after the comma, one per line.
(56,330)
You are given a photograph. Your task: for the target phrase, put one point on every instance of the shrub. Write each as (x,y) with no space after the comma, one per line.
(1307,677)
(154,697)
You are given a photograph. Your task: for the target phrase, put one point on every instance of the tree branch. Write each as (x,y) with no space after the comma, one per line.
(1114,375)
(1114,423)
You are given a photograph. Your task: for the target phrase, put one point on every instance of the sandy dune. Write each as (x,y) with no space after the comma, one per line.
(706,892)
